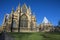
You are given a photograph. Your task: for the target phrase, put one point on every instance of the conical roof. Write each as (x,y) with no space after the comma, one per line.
(45,20)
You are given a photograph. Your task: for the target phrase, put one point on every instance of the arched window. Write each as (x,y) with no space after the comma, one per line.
(24,21)
(31,26)
(14,24)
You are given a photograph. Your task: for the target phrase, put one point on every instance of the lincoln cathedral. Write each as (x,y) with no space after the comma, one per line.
(20,20)
(23,20)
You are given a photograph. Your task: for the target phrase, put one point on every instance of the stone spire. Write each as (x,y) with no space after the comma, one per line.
(18,8)
(29,10)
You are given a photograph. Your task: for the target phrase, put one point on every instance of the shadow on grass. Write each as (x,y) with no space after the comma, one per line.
(35,36)
(27,36)
(20,35)
(51,36)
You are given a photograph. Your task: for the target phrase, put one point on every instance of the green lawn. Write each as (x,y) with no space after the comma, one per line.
(35,36)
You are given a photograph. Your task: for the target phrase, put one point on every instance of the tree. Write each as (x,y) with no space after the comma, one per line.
(12,19)
(59,23)
(12,23)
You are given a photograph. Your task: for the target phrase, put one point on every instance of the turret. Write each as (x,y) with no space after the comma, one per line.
(12,10)
(29,10)
(5,18)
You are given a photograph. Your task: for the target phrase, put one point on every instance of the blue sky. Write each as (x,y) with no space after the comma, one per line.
(41,8)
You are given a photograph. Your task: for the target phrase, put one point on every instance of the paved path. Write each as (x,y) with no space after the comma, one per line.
(5,36)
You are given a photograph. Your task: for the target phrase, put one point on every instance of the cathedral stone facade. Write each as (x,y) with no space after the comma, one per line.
(20,20)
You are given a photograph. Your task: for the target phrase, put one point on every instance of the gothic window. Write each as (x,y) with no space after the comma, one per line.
(14,24)
(24,21)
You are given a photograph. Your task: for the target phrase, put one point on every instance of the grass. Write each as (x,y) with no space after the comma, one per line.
(35,36)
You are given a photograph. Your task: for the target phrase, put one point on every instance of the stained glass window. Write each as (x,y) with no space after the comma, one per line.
(24,21)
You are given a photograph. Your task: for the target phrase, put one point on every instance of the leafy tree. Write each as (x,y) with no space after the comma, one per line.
(59,23)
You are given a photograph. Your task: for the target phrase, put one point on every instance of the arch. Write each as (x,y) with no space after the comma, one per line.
(24,21)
